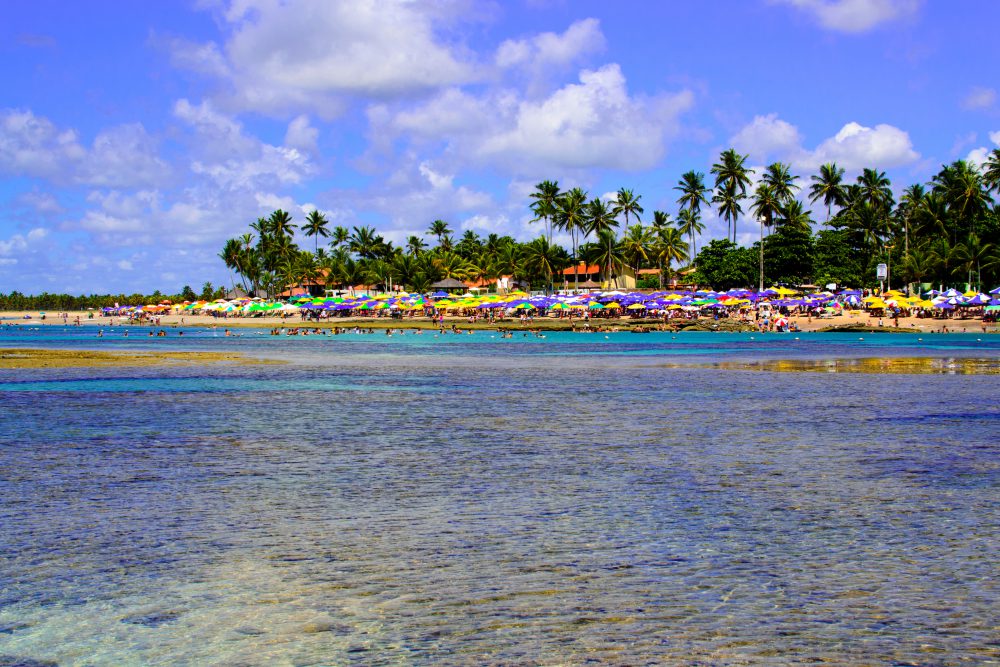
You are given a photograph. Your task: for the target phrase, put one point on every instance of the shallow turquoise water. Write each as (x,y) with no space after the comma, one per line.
(468,500)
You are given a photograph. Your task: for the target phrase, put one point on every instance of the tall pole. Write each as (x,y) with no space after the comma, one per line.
(761,289)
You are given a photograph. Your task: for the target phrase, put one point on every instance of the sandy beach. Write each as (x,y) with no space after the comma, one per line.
(848,319)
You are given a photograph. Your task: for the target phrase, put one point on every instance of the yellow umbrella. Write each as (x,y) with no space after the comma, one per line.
(613,304)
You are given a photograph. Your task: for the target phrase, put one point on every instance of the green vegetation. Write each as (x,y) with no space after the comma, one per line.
(945,232)
(942,233)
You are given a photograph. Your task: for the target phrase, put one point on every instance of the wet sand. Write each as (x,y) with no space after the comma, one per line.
(33,358)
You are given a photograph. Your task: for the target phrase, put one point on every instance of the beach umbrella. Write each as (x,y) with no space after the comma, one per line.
(995,291)
(594,305)
(636,306)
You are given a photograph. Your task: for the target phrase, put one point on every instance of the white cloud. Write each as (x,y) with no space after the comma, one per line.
(854,16)
(301,134)
(548,48)
(594,123)
(980,98)
(235,160)
(855,146)
(978,156)
(307,54)
(32,146)
(767,135)
(20,242)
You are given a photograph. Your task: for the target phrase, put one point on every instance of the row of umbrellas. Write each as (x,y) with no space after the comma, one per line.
(612,300)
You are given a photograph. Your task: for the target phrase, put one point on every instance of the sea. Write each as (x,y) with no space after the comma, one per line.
(469,499)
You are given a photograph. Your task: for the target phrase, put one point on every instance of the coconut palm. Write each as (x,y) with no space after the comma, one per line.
(766,204)
(689,223)
(778,175)
(542,258)
(693,191)
(440,229)
(794,216)
(339,237)
(627,204)
(876,189)
(365,241)
(571,216)
(316,226)
(991,171)
(732,177)
(281,224)
(601,223)
(546,196)
(669,247)
(728,198)
(636,246)
(605,252)
(415,245)
(909,204)
(828,186)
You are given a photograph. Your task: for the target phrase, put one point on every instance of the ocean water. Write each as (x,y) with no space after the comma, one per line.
(468,500)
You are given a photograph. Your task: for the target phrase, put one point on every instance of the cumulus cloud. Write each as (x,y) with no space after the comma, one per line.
(979,98)
(33,146)
(285,54)
(592,123)
(548,48)
(855,146)
(854,16)
(236,160)
(978,156)
(301,134)
(20,242)
(767,136)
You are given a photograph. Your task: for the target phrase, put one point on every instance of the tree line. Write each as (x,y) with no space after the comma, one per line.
(943,232)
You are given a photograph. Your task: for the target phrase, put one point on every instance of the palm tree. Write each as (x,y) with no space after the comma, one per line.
(909,203)
(542,258)
(605,252)
(340,236)
(415,245)
(660,220)
(689,223)
(731,180)
(828,186)
(571,216)
(281,224)
(794,217)
(875,189)
(693,191)
(974,254)
(668,247)
(546,195)
(635,246)
(991,172)
(315,226)
(440,229)
(728,200)
(365,242)
(765,205)
(601,222)
(627,203)
(781,180)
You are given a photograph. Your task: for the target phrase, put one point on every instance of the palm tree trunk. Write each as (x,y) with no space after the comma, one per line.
(761,256)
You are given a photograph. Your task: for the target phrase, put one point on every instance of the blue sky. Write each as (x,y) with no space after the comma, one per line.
(136,137)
